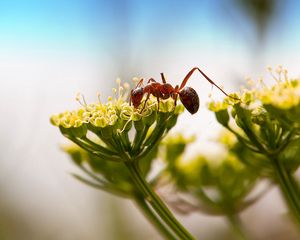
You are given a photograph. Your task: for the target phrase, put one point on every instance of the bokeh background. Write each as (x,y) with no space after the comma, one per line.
(50,50)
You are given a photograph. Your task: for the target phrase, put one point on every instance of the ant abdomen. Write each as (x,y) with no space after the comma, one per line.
(189,98)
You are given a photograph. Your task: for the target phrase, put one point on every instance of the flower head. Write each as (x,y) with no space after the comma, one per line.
(280,100)
(266,120)
(103,129)
(110,134)
(101,115)
(283,95)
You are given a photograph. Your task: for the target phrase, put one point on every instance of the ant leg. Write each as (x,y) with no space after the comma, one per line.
(147,98)
(175,95)
(163,78)
(158,95)
(157,103)
(175,99)
(204,75)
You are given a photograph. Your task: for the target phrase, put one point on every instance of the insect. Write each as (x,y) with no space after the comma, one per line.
(188,96)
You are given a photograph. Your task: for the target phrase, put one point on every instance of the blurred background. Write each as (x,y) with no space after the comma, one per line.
(50,50)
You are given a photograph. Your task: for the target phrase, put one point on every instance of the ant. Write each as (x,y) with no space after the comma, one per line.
(188,96)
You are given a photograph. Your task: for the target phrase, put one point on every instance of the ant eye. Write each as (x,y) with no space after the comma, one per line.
(137,92)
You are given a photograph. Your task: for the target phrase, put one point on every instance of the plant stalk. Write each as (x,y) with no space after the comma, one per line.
(157,204)
(236,226)
(153,218)
(289,189)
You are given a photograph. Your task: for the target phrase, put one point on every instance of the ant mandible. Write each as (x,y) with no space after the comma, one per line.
(188,96)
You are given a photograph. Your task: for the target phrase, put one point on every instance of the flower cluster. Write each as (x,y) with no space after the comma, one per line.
(107,114)
(268,116)
(280,100)
(221,186)
(116,145)
(112,113)
(116,132)
(285,94)
(266,121)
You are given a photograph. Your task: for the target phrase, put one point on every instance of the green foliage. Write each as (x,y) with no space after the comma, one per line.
(266,119)
(221,184)
(266,122)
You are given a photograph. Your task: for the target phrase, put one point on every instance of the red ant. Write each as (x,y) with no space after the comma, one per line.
(188,96)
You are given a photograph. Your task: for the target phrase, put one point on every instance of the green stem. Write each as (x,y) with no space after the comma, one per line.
(139,138)
(125,140)
(236,226)
(153,218)
(157,204)
(96,152)
(288,188)
(98,147)
(154,141)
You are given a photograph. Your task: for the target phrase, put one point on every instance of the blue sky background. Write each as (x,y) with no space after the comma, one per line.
(90,25)
(132,31)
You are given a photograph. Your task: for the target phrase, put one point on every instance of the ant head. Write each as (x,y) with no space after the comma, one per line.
(189,98)
(136,96)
